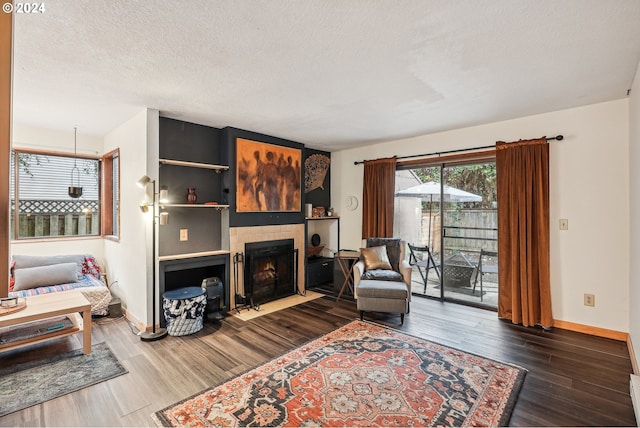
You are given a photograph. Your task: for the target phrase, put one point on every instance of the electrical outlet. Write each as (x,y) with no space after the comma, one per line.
(184,234)
(564,224)
(589,299)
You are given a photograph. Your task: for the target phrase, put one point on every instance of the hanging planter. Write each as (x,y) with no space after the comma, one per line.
(75,191)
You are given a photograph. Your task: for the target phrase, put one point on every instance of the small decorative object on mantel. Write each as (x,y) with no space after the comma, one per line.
(318,212)
(211,203)
(330,212)
(191,195)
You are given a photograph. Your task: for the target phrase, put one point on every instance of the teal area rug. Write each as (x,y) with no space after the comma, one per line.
(25,385)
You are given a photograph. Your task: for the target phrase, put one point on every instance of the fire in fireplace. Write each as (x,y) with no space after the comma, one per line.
(270,270)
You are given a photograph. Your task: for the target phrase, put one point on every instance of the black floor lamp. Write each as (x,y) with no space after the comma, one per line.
(155,333)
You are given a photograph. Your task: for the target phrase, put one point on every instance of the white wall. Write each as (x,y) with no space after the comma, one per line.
(29,137)
(634,196)
(589,176)
(128,260)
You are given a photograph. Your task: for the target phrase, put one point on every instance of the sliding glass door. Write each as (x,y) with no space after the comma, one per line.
(470,228)
(448,216)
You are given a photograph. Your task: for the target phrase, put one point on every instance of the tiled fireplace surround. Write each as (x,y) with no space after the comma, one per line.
(238,236)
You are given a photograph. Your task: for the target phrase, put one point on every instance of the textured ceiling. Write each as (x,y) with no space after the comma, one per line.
(328,73)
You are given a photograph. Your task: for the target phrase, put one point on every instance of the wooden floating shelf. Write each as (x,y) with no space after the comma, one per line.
(192,255)
(335,217)
(219,206)
(217,168)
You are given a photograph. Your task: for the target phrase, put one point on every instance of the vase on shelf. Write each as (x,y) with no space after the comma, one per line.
(191,195)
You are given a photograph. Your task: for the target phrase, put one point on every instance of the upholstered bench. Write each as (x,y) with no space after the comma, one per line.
(383,296)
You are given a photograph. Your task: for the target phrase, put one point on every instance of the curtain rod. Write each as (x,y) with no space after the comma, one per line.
(558,137)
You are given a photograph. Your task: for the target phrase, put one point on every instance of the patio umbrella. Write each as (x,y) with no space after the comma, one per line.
(431,191)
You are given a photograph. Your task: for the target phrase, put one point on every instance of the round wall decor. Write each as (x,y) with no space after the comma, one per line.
(351,202)
(315,239)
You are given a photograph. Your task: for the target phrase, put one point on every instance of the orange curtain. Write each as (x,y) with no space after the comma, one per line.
(523,237)
(377,198)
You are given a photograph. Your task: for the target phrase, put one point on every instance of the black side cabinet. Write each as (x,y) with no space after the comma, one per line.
(319,271)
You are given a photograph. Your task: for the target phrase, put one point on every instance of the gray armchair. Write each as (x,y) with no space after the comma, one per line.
(383,285)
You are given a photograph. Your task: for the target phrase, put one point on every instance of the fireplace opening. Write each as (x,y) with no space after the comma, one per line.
(270,270)
(208,272)
(190,277)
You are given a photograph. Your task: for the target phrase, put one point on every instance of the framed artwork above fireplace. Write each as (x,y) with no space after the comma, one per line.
(267,177)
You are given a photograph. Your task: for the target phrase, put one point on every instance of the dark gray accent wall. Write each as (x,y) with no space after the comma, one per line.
(203,224)
(192,143)
(189,142)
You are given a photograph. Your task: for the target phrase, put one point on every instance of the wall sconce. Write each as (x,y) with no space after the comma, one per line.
(143,181)
(164,194)
(164,218)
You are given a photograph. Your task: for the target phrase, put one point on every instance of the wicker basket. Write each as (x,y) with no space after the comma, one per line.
(184,315)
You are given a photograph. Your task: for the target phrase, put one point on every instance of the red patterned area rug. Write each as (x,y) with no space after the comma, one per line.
(360,375)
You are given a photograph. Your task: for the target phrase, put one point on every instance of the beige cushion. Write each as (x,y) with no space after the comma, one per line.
(382,289)
(375,258)
(63,273)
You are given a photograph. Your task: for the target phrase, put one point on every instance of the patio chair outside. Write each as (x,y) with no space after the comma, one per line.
(484,268)
(422,258)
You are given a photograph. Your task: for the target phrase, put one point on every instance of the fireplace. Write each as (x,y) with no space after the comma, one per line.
(270,270)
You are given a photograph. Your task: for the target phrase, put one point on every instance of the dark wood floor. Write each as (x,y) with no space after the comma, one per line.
(573,379)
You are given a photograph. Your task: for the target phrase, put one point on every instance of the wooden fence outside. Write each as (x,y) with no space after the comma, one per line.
(56,218)
(480,219)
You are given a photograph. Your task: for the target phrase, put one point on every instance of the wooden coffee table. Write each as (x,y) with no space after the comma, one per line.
(52,305)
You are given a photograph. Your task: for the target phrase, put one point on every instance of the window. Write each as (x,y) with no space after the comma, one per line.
(111,194)
(40,204)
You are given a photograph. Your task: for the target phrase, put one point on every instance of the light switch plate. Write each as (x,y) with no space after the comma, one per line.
(184,234)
